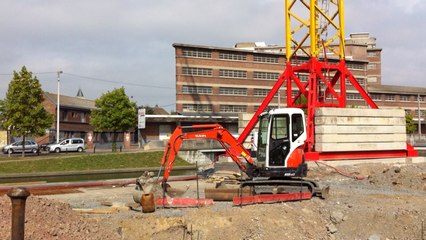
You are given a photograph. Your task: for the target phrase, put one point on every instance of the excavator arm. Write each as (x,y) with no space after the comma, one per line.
(205,131)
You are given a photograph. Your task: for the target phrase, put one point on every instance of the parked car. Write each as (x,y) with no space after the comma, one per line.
(68,145)
(30,146)
(45,146)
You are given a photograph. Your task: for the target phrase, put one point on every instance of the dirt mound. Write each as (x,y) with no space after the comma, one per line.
(405,176)
(298,220)
(47,219)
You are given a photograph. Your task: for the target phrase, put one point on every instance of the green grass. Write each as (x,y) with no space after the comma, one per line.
(82,162)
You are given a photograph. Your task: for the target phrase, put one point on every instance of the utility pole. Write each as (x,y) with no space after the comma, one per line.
(419,115)
(57,109)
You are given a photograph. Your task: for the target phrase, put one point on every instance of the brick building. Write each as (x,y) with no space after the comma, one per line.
(74,116)
(228,81)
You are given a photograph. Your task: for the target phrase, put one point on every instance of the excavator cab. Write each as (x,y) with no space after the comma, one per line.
(281,138)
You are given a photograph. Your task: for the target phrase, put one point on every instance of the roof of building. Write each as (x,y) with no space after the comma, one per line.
(68,101)
(183,118)
(396,89)
(159,110)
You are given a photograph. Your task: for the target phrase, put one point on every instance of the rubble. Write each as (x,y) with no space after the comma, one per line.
(373,208)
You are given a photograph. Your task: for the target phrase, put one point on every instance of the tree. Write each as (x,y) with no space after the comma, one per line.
(22,112)
(115,112)
(410,126)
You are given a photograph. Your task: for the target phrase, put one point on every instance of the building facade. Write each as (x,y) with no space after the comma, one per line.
(228,81)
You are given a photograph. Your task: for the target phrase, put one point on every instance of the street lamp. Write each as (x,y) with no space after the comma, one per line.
(57,109)
(419,115)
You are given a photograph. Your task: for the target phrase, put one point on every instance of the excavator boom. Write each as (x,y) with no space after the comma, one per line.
(204,131)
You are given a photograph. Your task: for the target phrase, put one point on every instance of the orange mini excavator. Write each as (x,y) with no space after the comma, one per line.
(280,160)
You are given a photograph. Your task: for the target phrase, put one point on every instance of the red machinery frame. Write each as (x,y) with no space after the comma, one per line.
(324,75)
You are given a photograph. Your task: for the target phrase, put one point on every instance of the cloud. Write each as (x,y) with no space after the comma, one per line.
(130,41)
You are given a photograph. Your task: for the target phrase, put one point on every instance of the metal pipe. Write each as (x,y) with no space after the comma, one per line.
(58,108)
(18,196)
(196,177)
(419,116)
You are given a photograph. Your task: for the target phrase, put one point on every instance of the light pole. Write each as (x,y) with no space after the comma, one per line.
(57,109)
(419,115)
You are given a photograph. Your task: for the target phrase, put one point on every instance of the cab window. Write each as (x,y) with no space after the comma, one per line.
(297,126)
(279,127)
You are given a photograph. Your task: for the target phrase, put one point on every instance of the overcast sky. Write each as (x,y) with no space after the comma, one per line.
(104,44)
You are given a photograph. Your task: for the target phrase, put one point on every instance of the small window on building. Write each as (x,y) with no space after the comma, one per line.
(192,71)
(196,53)
(389,97)
(233,108)
(376,97)
(233,91)
(188,89)
(83,117)
(265,59)
(403,98)
(232,73)
(266,75)
(372,66)
(232,56)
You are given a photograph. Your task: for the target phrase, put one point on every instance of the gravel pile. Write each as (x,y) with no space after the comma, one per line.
(47,219)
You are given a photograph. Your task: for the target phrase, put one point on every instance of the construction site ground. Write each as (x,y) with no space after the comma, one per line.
(390,203)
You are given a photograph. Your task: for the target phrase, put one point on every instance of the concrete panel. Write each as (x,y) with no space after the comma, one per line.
(359,121)
(359,138)
(354,112)
(334,129)
(344,147)
(338,130)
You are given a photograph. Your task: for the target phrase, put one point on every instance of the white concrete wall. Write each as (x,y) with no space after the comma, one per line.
(350,129)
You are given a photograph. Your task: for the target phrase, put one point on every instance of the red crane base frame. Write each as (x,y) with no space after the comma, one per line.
(319,91)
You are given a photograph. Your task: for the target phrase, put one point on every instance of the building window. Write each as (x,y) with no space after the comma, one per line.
(83,117)
(265,59)
(416,113)
(361,81)
(355,66)
(233,108)
(232,73)
(403,98)
(266,75)
(376,97)
(197,53)
(372,79)
(261,92)
(196,89)
(197,108)
(372,66)
(303,78)
(389,97)
(64,115)
(420,98)
(232,56)
(372,54)
(233,91)
(353,96)
(197,71)
(298,61)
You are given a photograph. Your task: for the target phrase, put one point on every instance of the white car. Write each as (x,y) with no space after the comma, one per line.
(30,146)
(68,145)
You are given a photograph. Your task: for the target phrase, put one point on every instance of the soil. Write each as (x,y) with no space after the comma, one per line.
(389,203)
